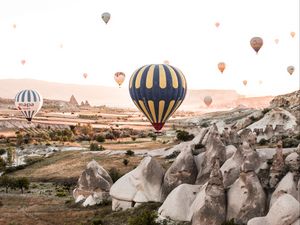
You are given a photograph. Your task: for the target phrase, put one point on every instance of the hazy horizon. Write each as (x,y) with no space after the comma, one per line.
(184,33)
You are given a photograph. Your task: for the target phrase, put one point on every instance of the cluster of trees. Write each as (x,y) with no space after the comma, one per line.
(12,183)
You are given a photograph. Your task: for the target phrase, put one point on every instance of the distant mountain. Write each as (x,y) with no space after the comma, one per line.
(119,97)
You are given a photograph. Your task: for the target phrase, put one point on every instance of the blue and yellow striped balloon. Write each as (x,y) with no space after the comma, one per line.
(157,90)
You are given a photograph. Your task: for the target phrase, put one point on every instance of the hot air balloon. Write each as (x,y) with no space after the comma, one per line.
(14,26)
(217,24)
(157,90)
(119,78)
(293,34)
(166,62)
(260,81)
(61,45)
(105,17)
(256,43)
(207,100)
(85,75)
(245,82)
(23,61)
(29,102)
(276,41)
(221,66)
(291,69)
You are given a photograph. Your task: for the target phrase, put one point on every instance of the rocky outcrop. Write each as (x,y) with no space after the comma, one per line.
(246,198)
(231,168)
(293,162)
(183,170)
(143,184)
(215,149)
(290,101)
(212,210)
(285,211)
(178,204)
(93,185)
(73,101)
(286,185)
(277,168)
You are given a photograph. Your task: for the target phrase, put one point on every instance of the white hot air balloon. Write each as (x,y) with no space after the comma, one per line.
(28,102)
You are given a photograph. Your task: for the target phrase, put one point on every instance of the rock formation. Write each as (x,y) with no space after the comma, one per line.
(73,101)
(246,198)
(93,185)
(143,184)
(183,170)
(212,210)
(214,149)
(285,211)
(277,168)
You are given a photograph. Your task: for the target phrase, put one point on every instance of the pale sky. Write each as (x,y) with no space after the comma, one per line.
(143,32)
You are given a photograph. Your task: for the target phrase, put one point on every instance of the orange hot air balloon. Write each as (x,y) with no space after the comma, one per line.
(217,24)
(119,78)
(85,75)
(166,62)
(23,62)
(293,34)
(245,82)
(276,41)
(207,100)
(256,43)
(221,66)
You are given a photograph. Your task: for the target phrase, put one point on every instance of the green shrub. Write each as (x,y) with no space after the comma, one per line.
(129,153)
(199,146)
(133,138)
(114,174)
(22,183)
(97,221)
(229,222)
(265,110)
(96,147)
(173,155)
(125,162)
(204,124)
(144,218)
(263,141)
(100,138)
(183,135)
(61,194)
(290,142)
(2,164)
(2,151)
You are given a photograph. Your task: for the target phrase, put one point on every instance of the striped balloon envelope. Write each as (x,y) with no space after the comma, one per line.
(28,102)
(157,90)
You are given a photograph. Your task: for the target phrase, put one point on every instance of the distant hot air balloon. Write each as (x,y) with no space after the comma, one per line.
(119,78)
(276,41)
(245,82)
(293,34)
(256,43)
(166,62)
(29,102)
(260,81)
(291,69)
(221,66)
(14,26)
(85,75)
(23,61)
(217,24)
(207,100)
(61,45)
(157,90)
(105,17)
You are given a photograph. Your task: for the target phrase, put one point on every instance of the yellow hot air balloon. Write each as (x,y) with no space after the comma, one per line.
(293,34)
(105,17)
(245,82)
(207,100)
(291,69)
(276,41)
(221,66)
(256,43)
(119,78)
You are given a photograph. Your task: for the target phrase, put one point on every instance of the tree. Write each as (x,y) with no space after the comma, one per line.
(22,183)
(2,164)
(7,182)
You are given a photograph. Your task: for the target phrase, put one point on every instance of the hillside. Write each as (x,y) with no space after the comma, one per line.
(113,96)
